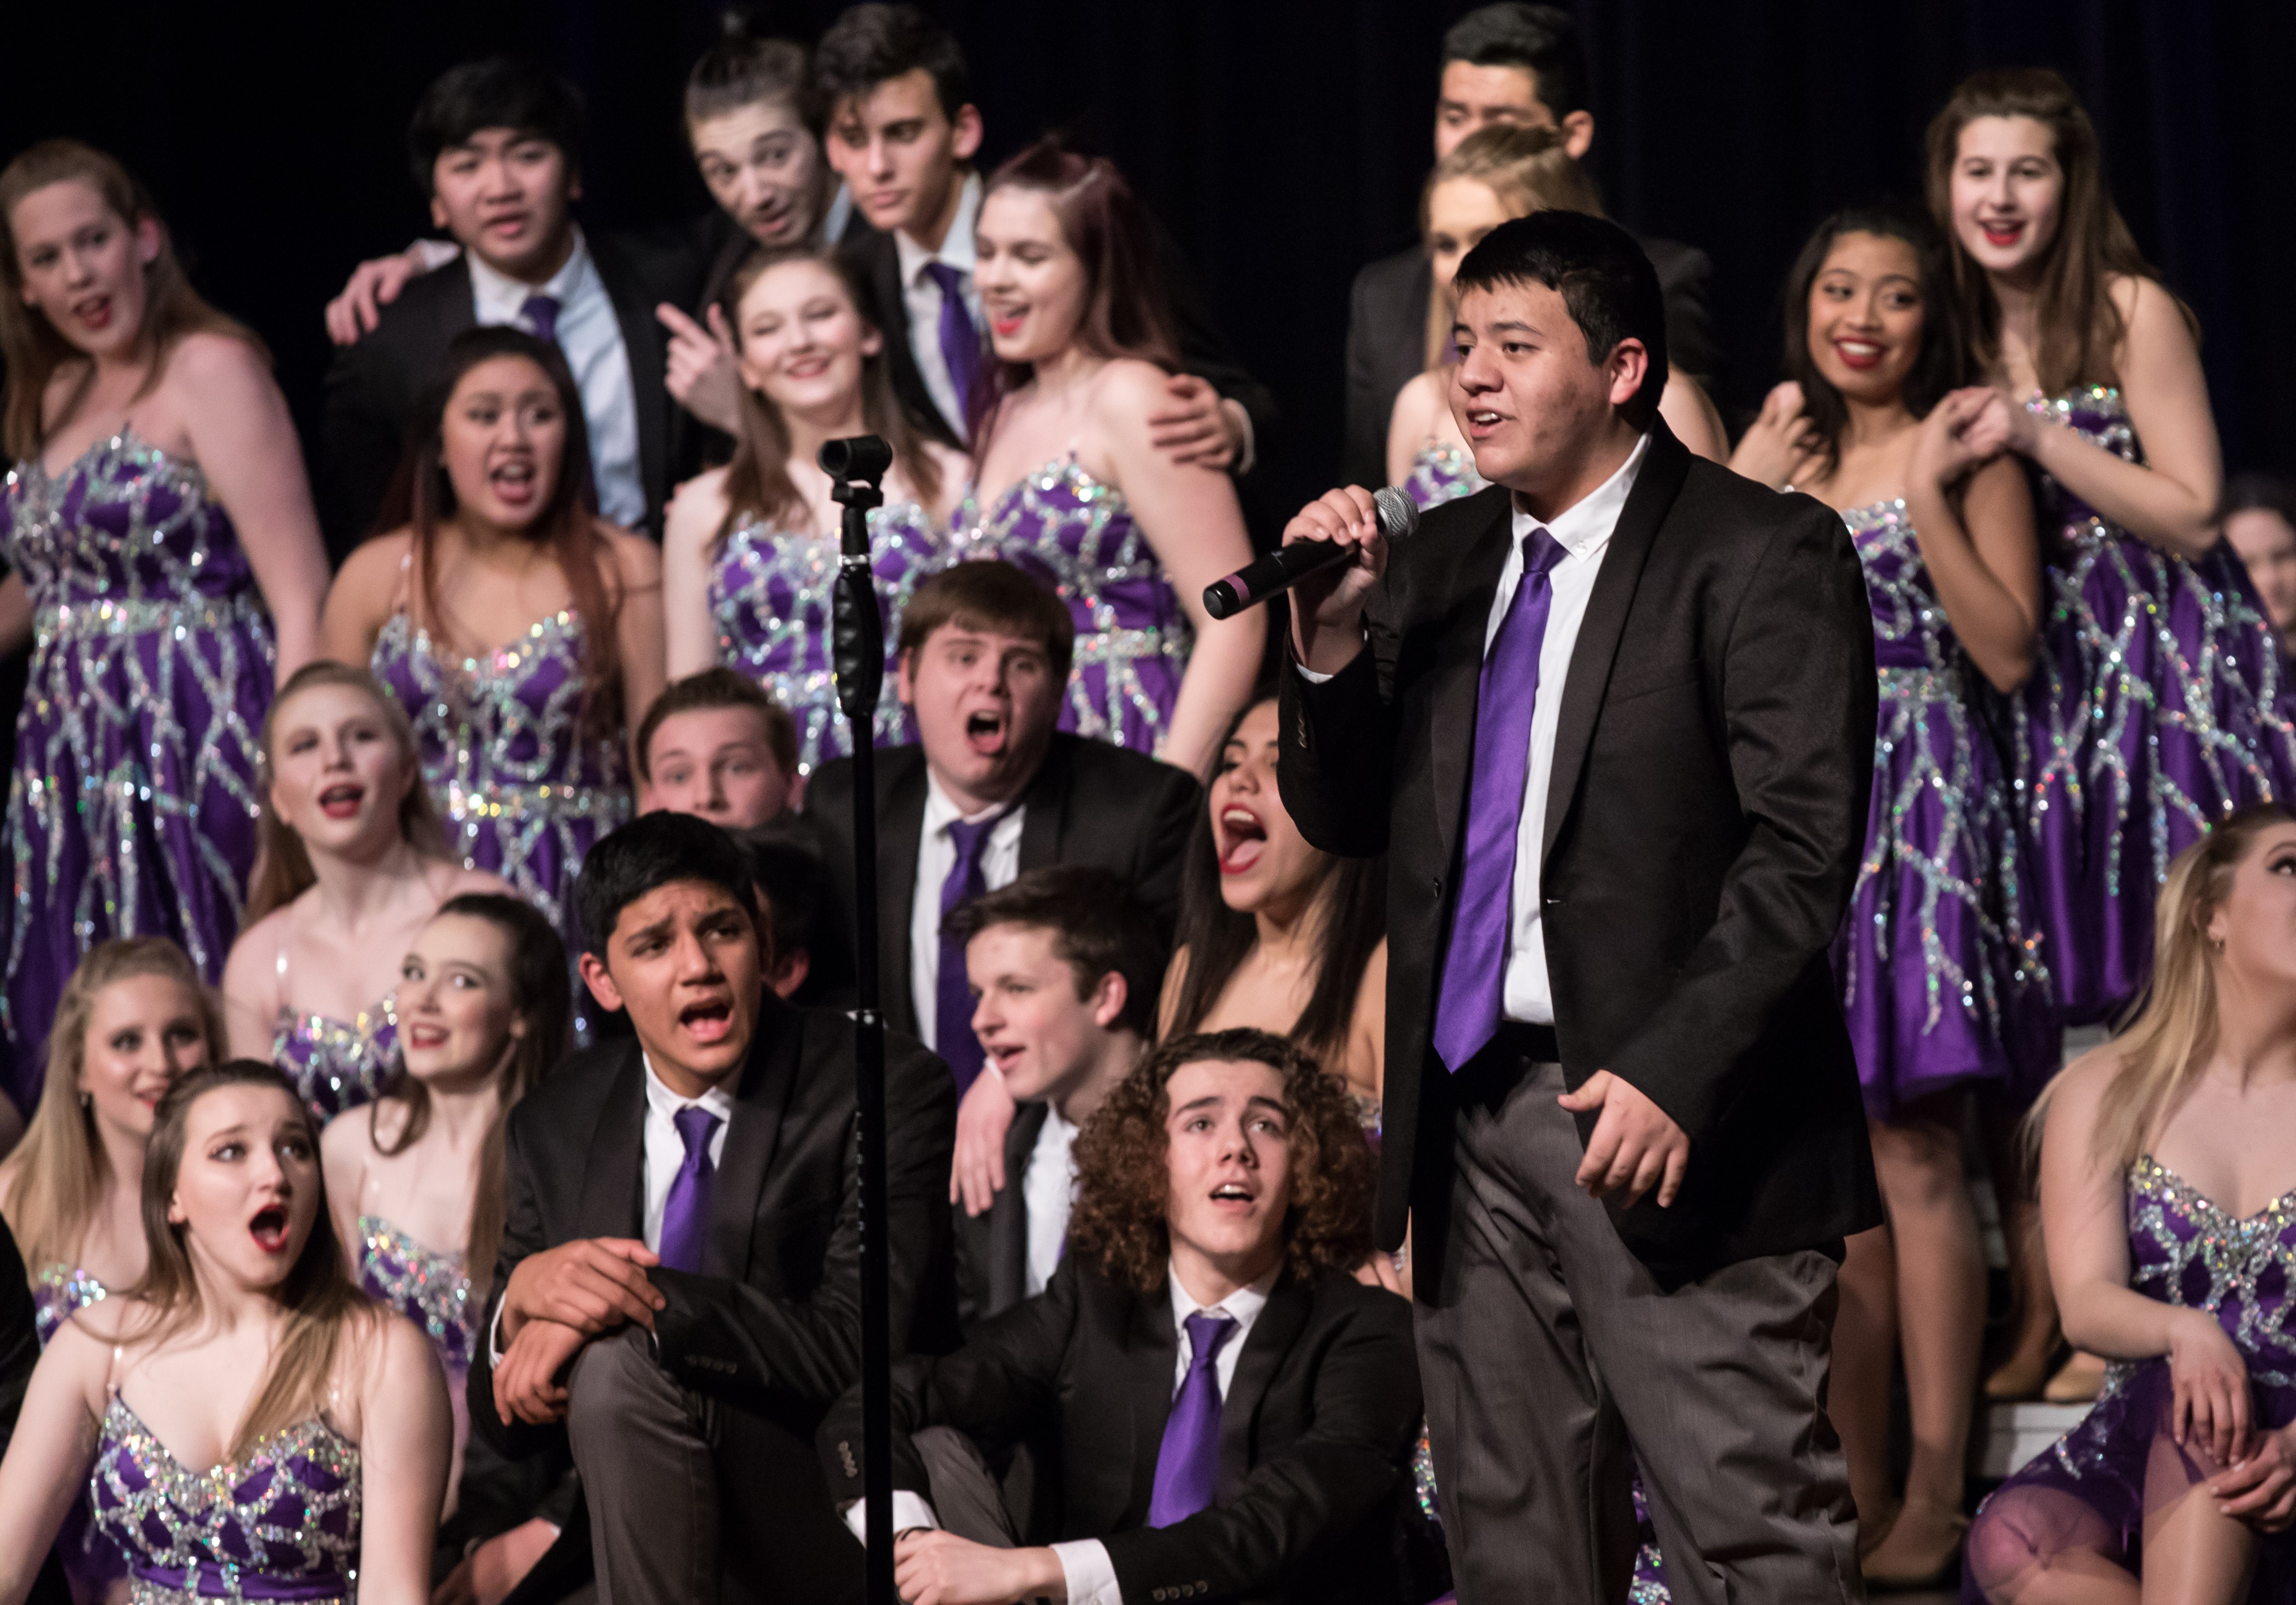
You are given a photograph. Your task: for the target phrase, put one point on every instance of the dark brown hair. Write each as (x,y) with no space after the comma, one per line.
(29,345)
(718,686)
(319,1296)
(742,69)
(285,872)
(424,494)
(1124,1180)
(2081,328)
(757,483)
(1098,927)
(1125,311)
(541,996)
(990,594)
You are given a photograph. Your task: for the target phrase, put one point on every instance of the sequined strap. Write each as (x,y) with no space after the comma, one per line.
(94,620)
(1126,646)
(504,802)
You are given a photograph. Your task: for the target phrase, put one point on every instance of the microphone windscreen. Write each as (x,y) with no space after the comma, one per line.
(1397,514)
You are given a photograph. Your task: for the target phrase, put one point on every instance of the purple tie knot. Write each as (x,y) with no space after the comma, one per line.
(541,314)
(685,1213)
(695,1126)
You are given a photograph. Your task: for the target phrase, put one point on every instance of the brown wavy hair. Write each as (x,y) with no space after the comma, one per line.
(29,345)
(1124,1183)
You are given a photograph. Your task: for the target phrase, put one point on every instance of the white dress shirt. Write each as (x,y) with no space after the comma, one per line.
(1084,1565)
(591,336)
(1047,1193)
(921,296)
(660,1153)
(1000,862)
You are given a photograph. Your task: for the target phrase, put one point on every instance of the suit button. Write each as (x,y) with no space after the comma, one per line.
(1436,885)
(1162,1593)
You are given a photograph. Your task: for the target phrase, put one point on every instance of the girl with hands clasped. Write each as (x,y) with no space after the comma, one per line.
(1937,981)
(2171,1223)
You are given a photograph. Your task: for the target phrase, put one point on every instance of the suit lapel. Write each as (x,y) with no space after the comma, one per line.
(1151,1348)
(764,1094)
(1044,818)
(900,828)
(1264,1347)
(613,1203)
(1656,484)
(1008,1220)
(1458,667)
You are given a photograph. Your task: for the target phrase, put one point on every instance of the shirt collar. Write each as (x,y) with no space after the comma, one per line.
(956,248)
(1243,1305)
(666,1103)
(942,812)
(508,295)
(1584,528)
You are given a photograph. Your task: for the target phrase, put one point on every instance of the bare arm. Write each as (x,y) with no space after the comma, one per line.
(1691,414)
(405,1435)
(343,1149)
(245,443)
(1410,423)
(639,629)
(1195,528)
(695,514)
(48,1456)
(1367,1031)
(360,601)
(1975,525)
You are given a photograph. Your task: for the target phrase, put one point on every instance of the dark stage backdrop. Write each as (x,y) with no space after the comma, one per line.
(1283,140)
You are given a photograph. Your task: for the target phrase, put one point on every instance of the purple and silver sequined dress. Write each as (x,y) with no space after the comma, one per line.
(1132,636)
(92,1562)
(525,784)
(281,1524)
(132,809)
(430,1290)
(1942,978)
(2093,1489)
(1444,470)
(772,598)
(337,1064)
(2160,704)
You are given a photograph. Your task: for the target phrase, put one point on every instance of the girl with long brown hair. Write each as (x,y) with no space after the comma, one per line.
(1067,481)
(160,539)
(750,550)
(247,1413)
(415,1179)
(353,863)
(2169,1203)
(521,633)
(2155,709)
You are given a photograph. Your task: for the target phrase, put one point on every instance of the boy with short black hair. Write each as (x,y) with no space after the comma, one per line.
(716,744)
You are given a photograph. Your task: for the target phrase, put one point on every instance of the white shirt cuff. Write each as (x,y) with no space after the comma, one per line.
(909,1509)
(494,1336)
(434,254)
(1248,454)
(1310,675)
(1090,1574)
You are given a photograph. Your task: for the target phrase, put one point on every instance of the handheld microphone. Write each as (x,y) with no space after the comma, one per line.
(1287,566)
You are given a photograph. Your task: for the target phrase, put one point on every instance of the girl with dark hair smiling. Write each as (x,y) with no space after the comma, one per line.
(1941,986)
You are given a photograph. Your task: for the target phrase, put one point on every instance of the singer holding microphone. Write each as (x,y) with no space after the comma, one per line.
(1611,721)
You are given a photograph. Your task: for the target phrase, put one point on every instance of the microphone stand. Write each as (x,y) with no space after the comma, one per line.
(858,650)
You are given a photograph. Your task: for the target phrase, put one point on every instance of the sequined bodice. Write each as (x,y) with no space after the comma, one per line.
(121,535)
(772,596)
(1910,630)
(425,1286)
(2184,1250)
(58,1293)
(1079,535)
(1444,470)
(2097,413)
(338,1064)
(503,735)
(283,1524)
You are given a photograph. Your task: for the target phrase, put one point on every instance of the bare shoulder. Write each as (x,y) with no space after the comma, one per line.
(254,956)
(696,509)
(2078,1090)
(1126,391)
(634,561)
(2151,317)
(1421,394)
(207,356)
(377,560)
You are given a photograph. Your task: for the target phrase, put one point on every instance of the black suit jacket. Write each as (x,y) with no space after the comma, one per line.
(1387,338)
(1315,1432)
(772,1326)
(1704,820)
(992,1248)
(1091,803)
(1203,350)
(374,386)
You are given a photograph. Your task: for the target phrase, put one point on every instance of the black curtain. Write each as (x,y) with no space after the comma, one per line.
(1283,140)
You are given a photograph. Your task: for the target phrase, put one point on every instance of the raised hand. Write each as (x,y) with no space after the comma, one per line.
(1780,445)
(703,375)
(1327,606)
(1194,426)
(1945,450)
(1998,425)
(372,285)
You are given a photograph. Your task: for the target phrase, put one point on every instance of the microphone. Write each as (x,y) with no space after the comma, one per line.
(1287,566)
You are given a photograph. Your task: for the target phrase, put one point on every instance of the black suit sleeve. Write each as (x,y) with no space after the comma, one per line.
(1370,402)
(1203,350)
(362,436)
(1366,1405)
(1797,707)
(1339,746)
(998,1389)
(724,1337)
(1684,275)
(1169,819)
(19,1335)
(522,1234)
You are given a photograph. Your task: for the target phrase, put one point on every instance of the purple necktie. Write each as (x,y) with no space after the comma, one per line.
(541,314)
(1187,1462)
(1474,966)
(951,992)
(960,341)
(686,1216)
